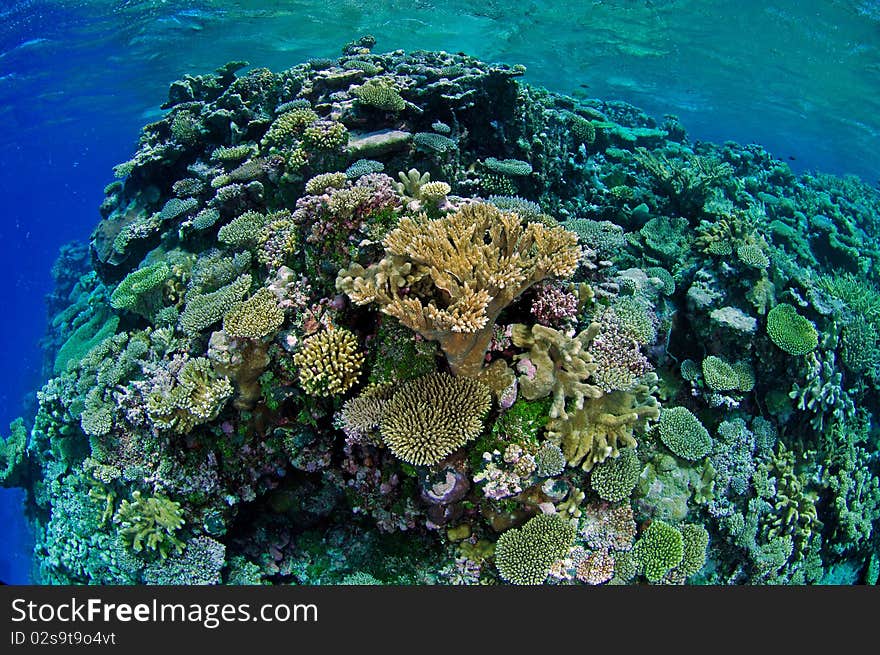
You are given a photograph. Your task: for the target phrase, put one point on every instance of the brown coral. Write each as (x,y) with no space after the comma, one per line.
(451,277)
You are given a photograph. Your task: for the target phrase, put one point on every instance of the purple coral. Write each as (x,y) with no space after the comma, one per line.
(553,306)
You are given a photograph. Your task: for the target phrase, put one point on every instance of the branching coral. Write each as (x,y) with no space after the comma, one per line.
(604,425)
(556,364)
(150,523)
(524,555)
(449,278)
(429,417)
(329,362)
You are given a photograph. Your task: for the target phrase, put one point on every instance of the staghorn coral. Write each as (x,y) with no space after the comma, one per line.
(524,555)
(429,417)
(329,362)
(449,278)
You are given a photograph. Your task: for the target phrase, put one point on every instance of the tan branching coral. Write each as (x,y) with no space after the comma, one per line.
(603,425)
(430,417)
(449,278)
(557,364)
(329,362)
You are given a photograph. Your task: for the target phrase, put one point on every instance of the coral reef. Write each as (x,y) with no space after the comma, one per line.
(401,318)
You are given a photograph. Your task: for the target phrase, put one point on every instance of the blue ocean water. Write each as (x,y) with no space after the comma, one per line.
(78,79)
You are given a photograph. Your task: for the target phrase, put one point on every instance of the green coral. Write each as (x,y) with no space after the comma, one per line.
(614,479)
(13,455)
(150,523)
(203,310)
(684,434)
(596,431)
(141,290)
(243,231)
(790,331)
(380,95)
(719,374)
(695,542)
(511,167)
(254,318)
(288,126)
(524,555)
(85,338)
(659,550)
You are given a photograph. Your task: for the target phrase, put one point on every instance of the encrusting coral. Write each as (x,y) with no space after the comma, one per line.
(449,278)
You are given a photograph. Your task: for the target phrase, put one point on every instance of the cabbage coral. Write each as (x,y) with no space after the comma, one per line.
(449,278)
(195,395)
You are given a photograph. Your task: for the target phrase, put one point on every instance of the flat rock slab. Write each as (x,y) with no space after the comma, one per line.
(372,144)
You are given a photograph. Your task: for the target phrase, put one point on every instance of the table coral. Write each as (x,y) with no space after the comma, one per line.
(429,417)
(472,263)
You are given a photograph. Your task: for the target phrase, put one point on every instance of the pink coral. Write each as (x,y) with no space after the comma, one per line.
(553,306)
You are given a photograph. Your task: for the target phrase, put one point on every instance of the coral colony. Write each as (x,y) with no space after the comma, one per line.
(403,319)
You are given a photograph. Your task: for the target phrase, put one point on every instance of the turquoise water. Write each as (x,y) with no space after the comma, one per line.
(78,80)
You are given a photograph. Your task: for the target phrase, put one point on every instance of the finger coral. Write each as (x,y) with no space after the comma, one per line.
(449,278)
(329,362)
